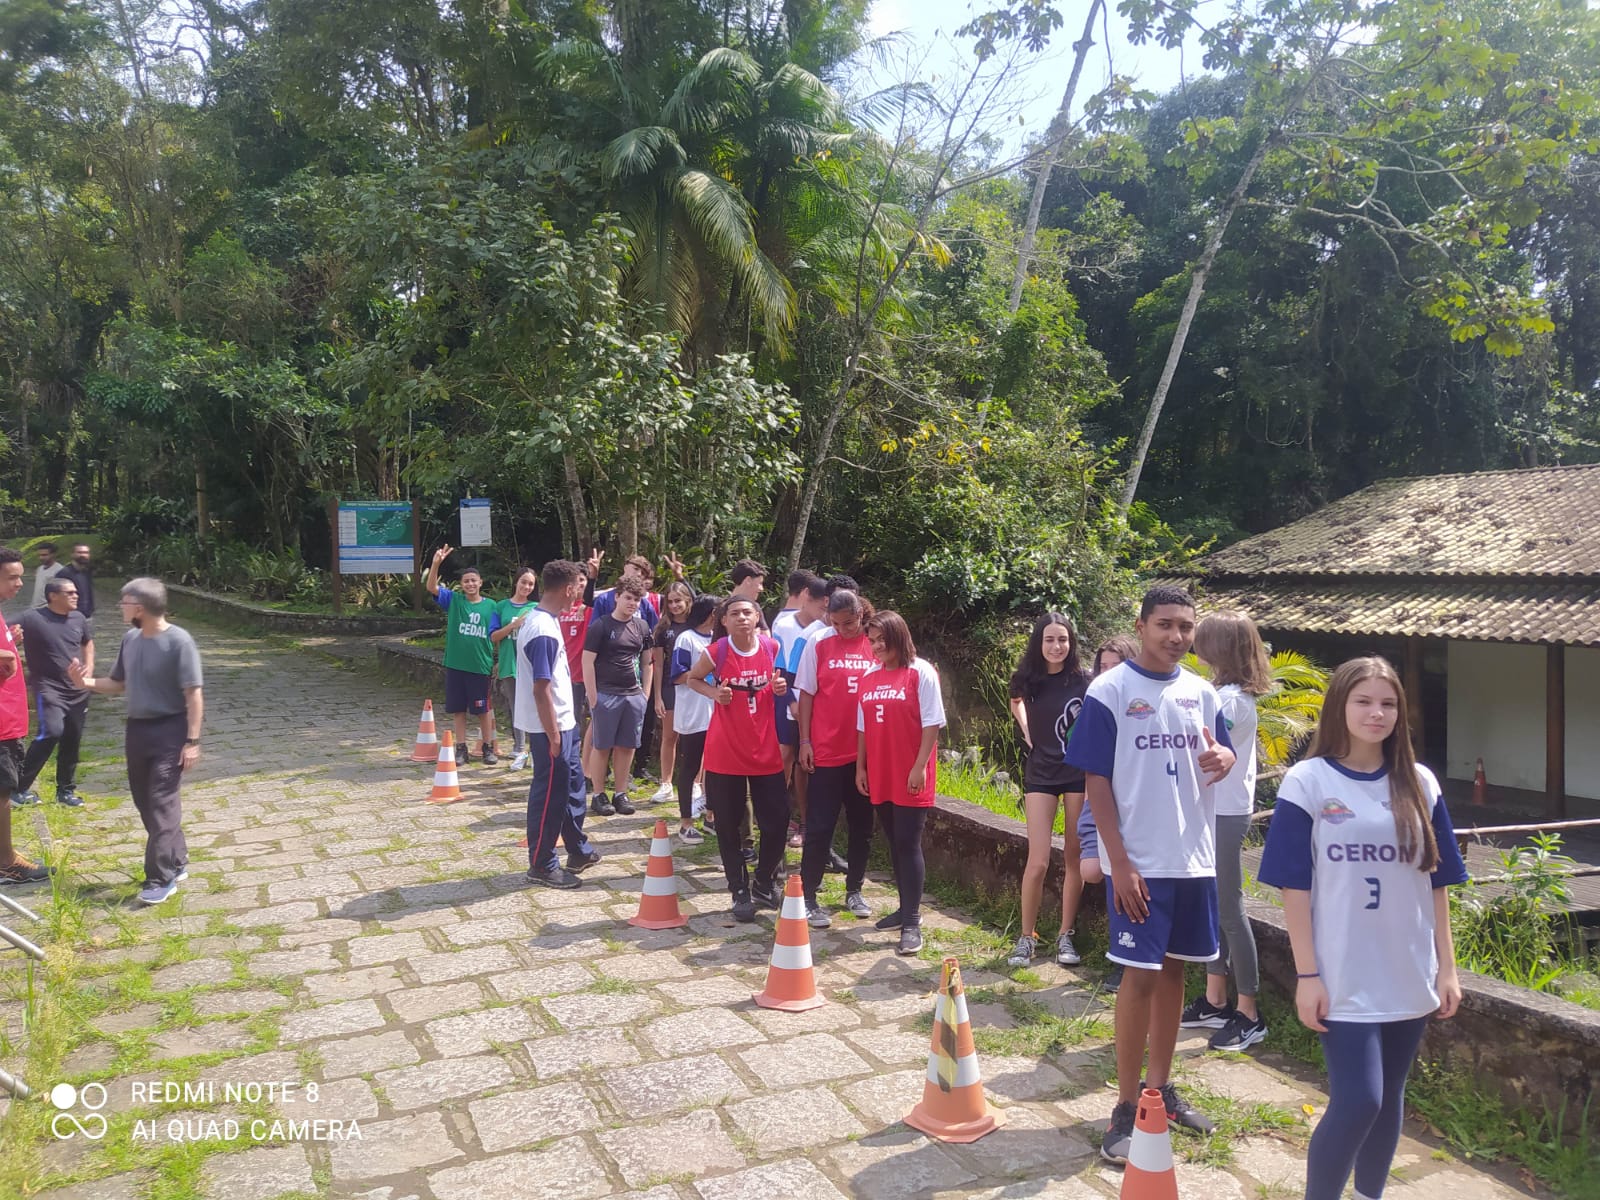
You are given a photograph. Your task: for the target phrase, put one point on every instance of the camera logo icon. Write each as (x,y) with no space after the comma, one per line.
(66,1124)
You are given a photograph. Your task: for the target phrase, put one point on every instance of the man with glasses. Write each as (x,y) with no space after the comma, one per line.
(52,638)
(158,668)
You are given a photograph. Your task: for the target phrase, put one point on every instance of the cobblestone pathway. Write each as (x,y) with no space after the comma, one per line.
(499,1042)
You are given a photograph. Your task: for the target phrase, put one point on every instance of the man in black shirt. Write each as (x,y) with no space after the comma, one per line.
(52,637)
(81,575)
(616,676)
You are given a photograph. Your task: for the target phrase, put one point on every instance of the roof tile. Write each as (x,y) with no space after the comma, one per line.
(1484,524)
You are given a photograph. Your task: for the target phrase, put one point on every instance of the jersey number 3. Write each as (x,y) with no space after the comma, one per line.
(1377,890)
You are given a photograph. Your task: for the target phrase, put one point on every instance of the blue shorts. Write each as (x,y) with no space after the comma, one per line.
(1088,835)
(1182,924)
(783,715)
(465,691)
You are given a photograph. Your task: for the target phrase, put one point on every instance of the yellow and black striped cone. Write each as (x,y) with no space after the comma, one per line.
(953,1108)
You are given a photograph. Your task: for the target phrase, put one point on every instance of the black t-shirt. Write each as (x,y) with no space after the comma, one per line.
(664,639)
(50,641)
(617,646)
(1054,703)
(84,582)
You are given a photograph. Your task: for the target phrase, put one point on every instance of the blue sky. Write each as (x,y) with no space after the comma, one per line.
(931,22)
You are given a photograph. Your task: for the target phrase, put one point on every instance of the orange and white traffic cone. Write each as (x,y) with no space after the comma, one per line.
(427,747)
(658,903)
(953,1108)
(791,982)
(446,786)
(1149,1174)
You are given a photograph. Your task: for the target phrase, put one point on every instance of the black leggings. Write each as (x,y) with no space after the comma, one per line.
(902,828)
(691,753)
(832,789)
(725,796)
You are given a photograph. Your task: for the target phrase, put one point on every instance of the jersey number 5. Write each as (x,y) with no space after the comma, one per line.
(1377,890)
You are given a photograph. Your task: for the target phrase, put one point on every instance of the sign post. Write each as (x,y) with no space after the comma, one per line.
(372,537)
(475,526)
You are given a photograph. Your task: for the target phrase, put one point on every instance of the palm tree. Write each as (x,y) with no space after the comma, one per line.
(691,229)
(1287,714)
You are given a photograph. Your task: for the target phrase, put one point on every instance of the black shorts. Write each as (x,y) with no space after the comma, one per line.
(465,691)
(12,752)
(1058,785)
(669,695)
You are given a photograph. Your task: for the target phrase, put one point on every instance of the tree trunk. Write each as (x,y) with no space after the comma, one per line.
(808,498)
(580,511)
(202,512)
(1197,288)
(1060,128)
(628,529)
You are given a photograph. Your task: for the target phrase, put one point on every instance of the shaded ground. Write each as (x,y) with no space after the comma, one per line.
(502,1042)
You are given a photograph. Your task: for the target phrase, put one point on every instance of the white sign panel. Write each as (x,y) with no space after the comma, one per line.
(475,523)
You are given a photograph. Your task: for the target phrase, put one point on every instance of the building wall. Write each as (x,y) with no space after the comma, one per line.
(1583,721)
(1496,711)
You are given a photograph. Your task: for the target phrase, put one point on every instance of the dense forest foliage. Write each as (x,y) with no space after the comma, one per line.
(735,278)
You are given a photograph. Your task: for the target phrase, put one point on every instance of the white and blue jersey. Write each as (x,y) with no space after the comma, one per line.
(1333,834)
(1142,731)
(691,712)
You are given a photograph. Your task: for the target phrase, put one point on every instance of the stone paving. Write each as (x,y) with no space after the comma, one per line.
(501,1042)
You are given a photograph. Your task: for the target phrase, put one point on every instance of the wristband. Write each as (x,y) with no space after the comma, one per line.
(1310,975)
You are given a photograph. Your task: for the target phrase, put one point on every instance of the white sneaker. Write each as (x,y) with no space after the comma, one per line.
(697,802)
(520,760)
(662,793)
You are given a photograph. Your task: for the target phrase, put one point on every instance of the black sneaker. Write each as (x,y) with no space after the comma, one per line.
(744,908)
(489,756)
(1239,1033)
(24,871)
(1112,983)
(1118,1140)
(816,916)
(70,798)
(892,921)
(623,806)
(601,807)
(1200,1013)
(582,862)
(910,940)
(766,895)
(1183,1114)
(837,864)
(560,877)
(20,799)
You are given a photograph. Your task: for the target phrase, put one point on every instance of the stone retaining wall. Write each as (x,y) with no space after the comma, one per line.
(272,620)
(1537,1051)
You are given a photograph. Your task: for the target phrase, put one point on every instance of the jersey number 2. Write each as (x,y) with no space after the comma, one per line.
(1377,890)
(879,709)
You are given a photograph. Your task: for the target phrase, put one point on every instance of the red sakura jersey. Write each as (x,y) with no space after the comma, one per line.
(574,625)
(896,706)
(830,669)
(742,739)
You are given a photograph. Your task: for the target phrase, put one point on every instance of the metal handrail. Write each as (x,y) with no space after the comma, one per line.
(8,1081)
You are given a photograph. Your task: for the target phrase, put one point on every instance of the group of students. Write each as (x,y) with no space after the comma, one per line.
(1156,768)
(832,713)
(768,734)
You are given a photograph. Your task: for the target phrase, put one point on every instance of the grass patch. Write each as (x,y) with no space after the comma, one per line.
(608,986)
(975,786)
(1038,1031)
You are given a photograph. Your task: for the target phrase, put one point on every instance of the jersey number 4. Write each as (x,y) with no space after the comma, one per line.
(1376,891)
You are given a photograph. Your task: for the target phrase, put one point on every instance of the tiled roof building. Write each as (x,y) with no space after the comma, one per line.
(1452,576)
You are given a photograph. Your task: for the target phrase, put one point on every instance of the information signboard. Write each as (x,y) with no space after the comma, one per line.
(475,529)
(375,537)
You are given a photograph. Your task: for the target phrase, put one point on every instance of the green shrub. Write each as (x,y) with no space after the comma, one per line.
(1509,929)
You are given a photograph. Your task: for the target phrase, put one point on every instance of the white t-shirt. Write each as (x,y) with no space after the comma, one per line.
(691,712)
(1236,793)
(1143,732)
(542,654)
(1333,835)
(791,637)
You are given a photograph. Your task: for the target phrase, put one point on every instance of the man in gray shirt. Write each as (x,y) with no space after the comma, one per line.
(158,668)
